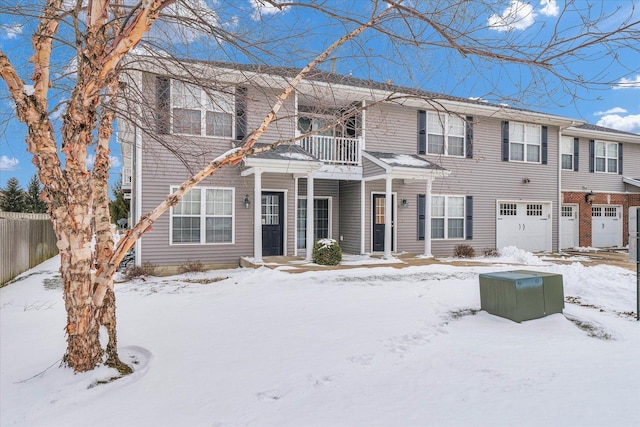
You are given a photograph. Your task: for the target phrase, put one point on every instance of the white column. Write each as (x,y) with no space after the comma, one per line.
(427,220)
(257,216)
(363,217)
(310,219)
(388,209)
(295,216)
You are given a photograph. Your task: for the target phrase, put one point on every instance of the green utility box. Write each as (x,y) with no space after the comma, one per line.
(521,295)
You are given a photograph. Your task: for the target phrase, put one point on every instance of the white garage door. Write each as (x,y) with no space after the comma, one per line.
(606,226)
(569,227)
(526,225)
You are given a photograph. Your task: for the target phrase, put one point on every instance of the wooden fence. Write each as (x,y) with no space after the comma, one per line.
(26,240)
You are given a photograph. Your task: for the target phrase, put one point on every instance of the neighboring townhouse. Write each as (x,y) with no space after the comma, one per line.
(600,170)
(389,169)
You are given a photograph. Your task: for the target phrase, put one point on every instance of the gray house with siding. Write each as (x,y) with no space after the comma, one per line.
(389,169)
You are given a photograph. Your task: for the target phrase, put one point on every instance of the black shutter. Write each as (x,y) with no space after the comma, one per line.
(619,158)
(241,111)
(421,215)
(576,152)
(163,104)
(469,137)
(592,154)
(469,218)
(505,141)
(545,144)
(422,132)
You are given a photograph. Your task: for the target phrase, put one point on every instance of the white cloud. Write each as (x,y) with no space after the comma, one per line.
(261,8)
(11,31)
(518,16)
(186,21)
(8,163)
(115,161)
(549,8)
(630,123)
(625,83)
(613,110)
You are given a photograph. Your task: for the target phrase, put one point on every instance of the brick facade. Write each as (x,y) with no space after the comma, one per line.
(584,227)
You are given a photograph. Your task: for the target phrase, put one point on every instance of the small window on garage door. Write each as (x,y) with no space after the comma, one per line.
(534,210)
(508,209)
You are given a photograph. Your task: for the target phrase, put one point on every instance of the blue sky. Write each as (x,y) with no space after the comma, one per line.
(612,103)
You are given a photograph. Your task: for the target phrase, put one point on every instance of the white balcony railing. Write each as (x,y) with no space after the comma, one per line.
(127,179)
(334,150)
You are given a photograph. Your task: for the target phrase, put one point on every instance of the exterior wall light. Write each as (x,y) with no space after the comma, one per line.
(405,203)
(247,202)
(589,197)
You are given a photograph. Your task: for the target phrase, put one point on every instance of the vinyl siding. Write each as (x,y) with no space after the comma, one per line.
(259,104)
(349,208)
(370,169)
(392,127)
(602,182)
(485,177)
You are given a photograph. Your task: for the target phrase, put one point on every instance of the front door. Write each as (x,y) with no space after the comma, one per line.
(569,227)
(379,217)
(272,223)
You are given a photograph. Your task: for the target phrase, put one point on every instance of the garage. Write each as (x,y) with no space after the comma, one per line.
(569,232)
(526,225)
(606,226)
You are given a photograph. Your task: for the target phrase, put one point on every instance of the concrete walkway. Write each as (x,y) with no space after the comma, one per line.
(291,264)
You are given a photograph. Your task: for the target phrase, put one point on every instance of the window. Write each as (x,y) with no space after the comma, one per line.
(606,157)
(524,142)
(196,112)
(596,211)
(567,153)
(567,211)
(534,210)
(447,217)
(203,215)
(610,212)
(321,220)
(508,209)
(445,134)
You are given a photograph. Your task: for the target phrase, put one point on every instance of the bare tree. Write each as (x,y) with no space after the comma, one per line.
(96,37)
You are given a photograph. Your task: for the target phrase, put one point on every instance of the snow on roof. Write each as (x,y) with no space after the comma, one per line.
(404,160)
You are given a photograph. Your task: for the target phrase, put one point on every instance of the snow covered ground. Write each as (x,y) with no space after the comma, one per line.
(363,347)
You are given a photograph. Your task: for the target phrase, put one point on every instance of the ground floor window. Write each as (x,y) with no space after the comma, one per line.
(448,217)
(203,215)
(321,220)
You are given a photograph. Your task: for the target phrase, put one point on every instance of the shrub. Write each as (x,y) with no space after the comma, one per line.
(491,252)
(464,251)
(135,271)
(327,252)
(191,267)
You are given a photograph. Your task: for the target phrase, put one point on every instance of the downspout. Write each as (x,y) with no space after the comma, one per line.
(137,164)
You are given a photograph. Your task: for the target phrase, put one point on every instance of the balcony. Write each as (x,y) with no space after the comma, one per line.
(334,150)
(127,180)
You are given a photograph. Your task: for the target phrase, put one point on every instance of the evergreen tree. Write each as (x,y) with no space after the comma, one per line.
(12,199)
(118,208)
(32,202)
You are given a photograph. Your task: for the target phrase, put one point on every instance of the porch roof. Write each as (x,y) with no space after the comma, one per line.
(404,166)
(286,158)
(631,181)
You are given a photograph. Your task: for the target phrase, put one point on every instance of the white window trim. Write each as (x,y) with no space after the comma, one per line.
(570,153)
(446,217)
(443,120)
(203,111)
(330,207)
(526,143)
(606,157)
(203,218)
